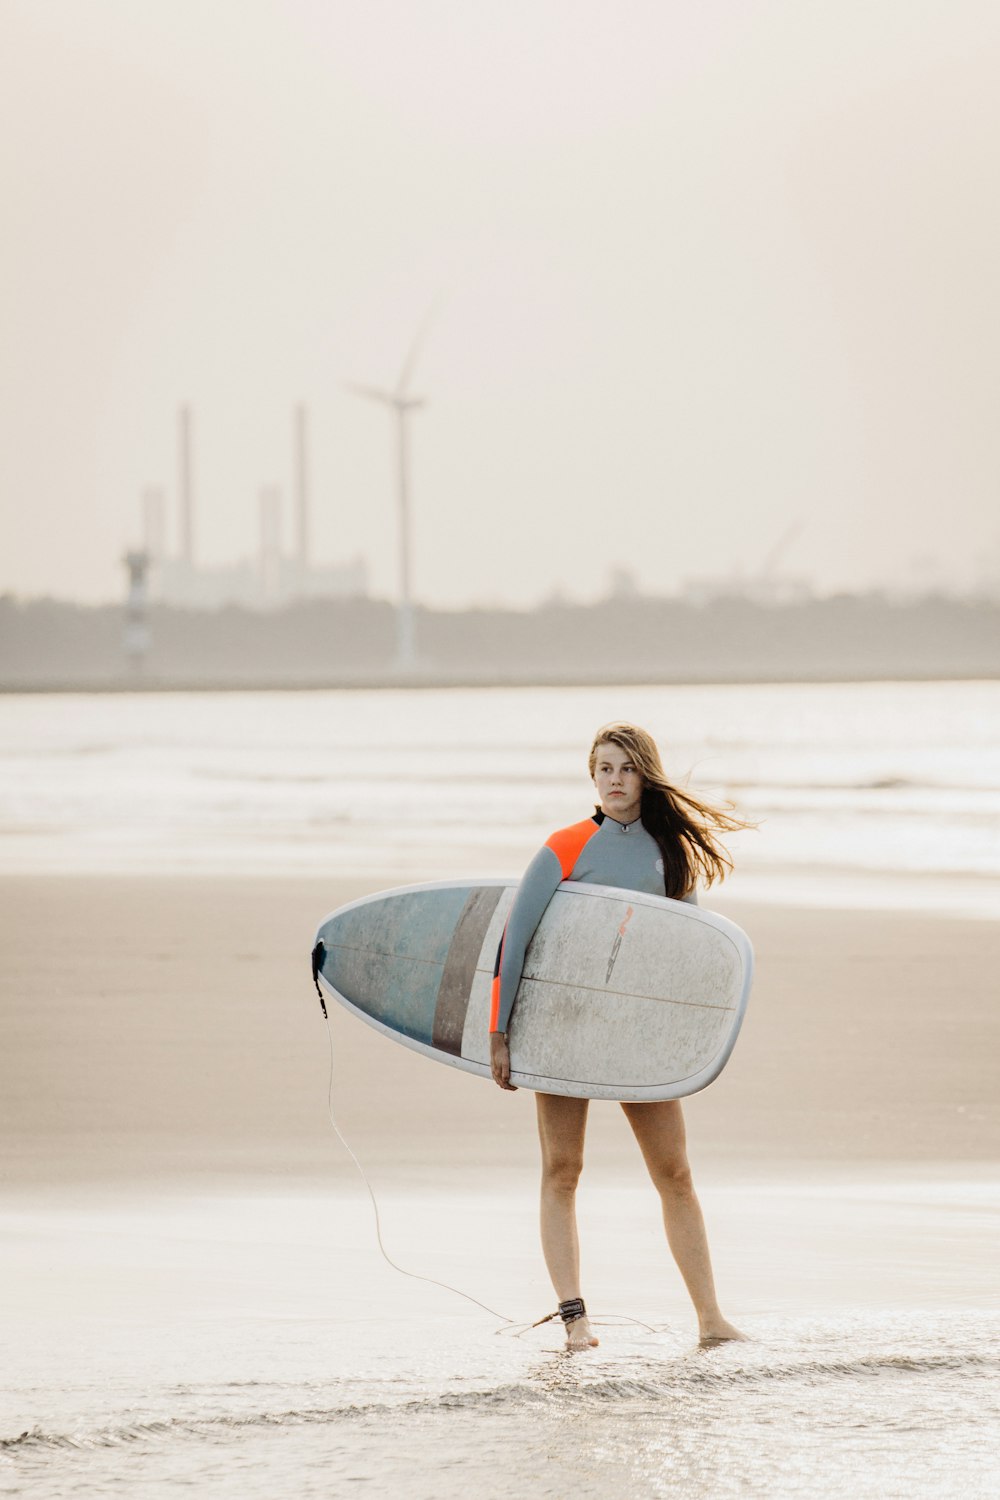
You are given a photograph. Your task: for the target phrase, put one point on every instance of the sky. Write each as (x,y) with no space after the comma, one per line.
(707,289)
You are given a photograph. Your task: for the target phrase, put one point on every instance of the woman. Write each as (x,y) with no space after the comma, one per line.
(647,835)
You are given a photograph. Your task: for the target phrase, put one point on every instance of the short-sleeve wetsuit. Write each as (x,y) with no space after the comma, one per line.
(598,851)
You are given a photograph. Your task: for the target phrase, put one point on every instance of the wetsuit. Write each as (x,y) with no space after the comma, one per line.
(598,851)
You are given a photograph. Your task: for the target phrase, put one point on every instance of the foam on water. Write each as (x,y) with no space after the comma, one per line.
(894,780)
(856,1405)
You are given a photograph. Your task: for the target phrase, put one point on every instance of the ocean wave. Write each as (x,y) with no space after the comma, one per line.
(460,775)
(560,1389)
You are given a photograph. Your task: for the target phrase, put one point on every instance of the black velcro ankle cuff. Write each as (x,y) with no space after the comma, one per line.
(571,1310)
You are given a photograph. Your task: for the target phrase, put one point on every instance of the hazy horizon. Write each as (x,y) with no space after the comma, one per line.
(702,279)
(913,596)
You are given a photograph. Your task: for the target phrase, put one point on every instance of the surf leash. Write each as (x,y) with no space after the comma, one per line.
(414,1275)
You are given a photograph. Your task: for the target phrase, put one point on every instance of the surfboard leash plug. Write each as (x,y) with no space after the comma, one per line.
(318,955)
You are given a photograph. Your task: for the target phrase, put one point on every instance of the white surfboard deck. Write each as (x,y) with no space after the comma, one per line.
(623,995)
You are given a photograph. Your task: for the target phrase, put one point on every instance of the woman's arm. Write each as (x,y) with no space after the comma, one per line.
(534,893)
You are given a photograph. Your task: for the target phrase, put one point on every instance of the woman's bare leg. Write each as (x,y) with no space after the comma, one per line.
(562,1125)
(659,1129)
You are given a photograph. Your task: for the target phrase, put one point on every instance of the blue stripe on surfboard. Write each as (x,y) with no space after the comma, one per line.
(387,957)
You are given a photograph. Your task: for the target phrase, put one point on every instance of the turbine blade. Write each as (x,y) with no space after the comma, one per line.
(411,359)
(371,392)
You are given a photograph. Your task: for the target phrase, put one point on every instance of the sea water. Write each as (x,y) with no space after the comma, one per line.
(888,791)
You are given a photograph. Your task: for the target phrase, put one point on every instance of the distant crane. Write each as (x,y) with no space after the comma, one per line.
(402,404)
(767,568)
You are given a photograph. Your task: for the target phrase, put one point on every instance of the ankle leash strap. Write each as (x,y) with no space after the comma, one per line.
(571,1310)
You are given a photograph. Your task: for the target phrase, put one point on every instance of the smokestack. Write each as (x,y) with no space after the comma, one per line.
(186,488)
(301,492)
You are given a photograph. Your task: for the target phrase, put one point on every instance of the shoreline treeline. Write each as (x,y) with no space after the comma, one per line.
(46,643)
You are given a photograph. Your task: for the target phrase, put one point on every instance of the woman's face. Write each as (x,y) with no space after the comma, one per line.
(618,783)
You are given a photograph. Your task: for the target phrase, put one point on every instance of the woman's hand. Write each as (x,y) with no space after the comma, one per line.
(500,1061)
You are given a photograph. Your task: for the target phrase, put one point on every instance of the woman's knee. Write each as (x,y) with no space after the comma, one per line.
(561,1172)
(659,1129)
(562,1125)
(673,1176)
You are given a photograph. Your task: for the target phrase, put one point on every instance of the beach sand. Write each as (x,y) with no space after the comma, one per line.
(167,1027)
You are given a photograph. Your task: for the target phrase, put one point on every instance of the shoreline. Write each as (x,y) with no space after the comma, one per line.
(932,895)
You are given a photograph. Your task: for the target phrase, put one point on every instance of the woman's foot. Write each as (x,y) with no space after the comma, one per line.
(717,1330)
(579,1335)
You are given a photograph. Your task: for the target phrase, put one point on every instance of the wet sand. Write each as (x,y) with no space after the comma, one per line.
(167,1027)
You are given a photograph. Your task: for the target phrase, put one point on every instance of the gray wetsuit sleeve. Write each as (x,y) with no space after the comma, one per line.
(536,890)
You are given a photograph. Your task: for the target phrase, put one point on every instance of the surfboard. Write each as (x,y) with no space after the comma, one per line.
(623,995)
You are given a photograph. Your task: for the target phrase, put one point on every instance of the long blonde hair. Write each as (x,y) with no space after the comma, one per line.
(685,827)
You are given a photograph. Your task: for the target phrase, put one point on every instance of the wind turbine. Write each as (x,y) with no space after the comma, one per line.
(402,404)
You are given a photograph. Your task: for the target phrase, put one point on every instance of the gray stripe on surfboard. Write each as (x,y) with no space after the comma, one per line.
(460,967)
